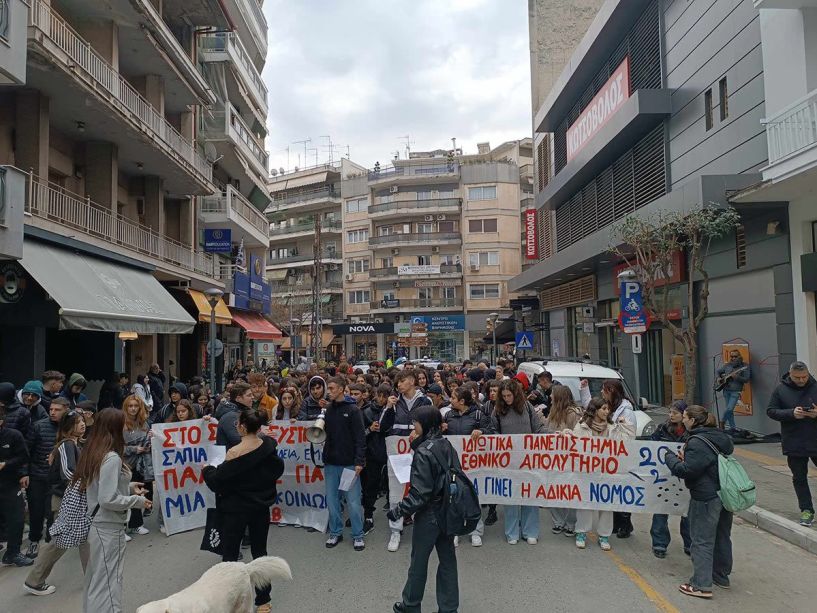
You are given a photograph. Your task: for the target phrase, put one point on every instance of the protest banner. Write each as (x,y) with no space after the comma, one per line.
(301,491)
(180,450)
(560,470)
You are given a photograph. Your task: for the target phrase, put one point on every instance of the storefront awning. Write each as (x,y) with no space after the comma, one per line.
(95,294)
(327,338)
(223,316)
(257,328)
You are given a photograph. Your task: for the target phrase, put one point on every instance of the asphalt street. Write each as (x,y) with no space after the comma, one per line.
(770,575)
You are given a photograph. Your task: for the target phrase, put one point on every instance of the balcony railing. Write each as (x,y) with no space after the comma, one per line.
(418,303)
(415,237)
(254,16)
(391,271)
(412,171)
(244,134)
(92,66)
(326,226)
(308,257)
(233,201)
(421,205)
(57,206)
(229,42)
(793,129)
(281,200)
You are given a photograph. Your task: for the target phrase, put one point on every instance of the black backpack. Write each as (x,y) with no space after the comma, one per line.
(460,511)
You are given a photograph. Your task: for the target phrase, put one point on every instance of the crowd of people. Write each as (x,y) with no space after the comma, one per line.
(54,441)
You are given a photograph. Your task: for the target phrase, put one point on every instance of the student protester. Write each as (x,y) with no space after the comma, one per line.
(142,389)
(183,411)
(73,392)
(176,393)
(597,421)
(671,431)
(612,391)
(52,382)
(137,455)
(227,433)
(466,418)
(43,436)
(409,398)
(345,449)
(315,401)
(793,404)
(422,378)
(87,409)
(64,459)
(290,404)
(710,525)
(513,414)
(424,501)
(106,480)
(544,386)
(439,399)
(378,418)
(17,415)
(31,398)
(563,416)
(13,479)
(261,399)
(245,488)
(205,403)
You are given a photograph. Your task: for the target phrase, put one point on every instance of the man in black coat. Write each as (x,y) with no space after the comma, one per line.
(13,476)
(794,404)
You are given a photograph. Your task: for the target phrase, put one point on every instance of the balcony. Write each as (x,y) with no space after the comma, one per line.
(304,229)
(110,108)
(391,273)
(52,208)
(399,305)
(225,46)
(232,210)
(294,261)
(13,17)
(414,174)
(419,239)
(791,136)
(306,200)
(250,24)
(226,126)
(403,208)
(303,289)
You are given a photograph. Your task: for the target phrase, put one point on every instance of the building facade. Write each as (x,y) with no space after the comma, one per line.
(658,109)
(432,239)
(106,174)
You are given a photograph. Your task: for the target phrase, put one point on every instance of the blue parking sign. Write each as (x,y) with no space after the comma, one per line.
(633,318)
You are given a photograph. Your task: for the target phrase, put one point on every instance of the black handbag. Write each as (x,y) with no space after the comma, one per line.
(212,541)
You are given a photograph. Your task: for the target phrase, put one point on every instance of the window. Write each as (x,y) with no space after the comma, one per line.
(448,259)
(724,94)
(483,291)
(357,236)
(484,258)
(740,246)
(708,109)
(487,192)
(425,228)
(448,295)
(482,225)
(424,296)
(424,260)
(358,205)
(358,265)
(446,226)
(359,296)
(385,231)
(387,262)
(385,199)
(425,195)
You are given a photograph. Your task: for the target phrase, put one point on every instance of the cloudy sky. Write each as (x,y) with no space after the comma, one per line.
(369,72)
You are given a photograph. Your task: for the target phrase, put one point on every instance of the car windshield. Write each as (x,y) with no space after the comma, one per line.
(594,383)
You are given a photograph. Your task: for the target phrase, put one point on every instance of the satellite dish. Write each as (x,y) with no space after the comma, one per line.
(281,170)
(296,169)
(274,172)
(210,152)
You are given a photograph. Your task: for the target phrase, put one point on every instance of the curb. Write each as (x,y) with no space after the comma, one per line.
(786,529)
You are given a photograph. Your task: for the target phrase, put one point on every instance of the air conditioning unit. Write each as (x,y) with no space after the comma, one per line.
(429,217)
(333,266)
(349,277)
(393,189)
(440,217)
(396,284)
(435,250)
(395,252)
(474,267)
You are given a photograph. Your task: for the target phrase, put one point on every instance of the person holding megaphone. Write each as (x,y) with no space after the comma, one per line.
(344,452)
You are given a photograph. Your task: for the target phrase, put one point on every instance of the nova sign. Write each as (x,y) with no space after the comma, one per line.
(604,105)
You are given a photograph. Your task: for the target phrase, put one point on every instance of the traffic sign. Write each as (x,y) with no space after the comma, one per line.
(633,318)
(524,341)
(217,345)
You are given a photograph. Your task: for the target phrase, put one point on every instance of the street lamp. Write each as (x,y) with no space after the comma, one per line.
(493,317)
(294,323)
(213,295)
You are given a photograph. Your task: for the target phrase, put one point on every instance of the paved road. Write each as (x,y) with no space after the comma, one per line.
(770,575)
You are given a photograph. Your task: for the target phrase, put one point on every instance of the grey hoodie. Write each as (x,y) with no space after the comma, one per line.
(111,491)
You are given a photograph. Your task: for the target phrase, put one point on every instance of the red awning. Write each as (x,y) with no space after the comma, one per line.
(257,327)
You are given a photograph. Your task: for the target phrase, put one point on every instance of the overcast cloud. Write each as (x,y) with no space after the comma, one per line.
(367,72)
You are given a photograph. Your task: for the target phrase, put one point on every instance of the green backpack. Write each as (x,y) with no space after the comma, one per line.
(738,491)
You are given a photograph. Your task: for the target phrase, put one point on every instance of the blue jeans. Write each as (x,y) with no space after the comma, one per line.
(710,526)
(352,498)
(524,517)
(731,399)
(659,531)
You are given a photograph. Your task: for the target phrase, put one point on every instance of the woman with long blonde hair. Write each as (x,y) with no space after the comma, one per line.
(137,454)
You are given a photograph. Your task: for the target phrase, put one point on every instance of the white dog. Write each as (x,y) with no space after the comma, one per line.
(228,587)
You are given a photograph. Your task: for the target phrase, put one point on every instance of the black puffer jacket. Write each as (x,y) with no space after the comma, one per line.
(227,430)
(699,468)
(428,476)
(18,418)
(465,423)
(41,441)
(376,441)
(345,436)
(799,435)
(403,413)
(247,483)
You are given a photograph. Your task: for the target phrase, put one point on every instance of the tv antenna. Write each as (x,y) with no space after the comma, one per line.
(316,154)
(329,147)
(303,142)
(409,143)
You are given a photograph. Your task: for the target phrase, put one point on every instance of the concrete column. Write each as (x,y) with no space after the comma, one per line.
(103,37)
(188,125)
(102,174)
(155,92)
(155,204)
(32,125)
(187,221)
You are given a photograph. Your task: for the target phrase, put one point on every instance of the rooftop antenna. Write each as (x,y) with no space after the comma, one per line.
(316,154)
(329,146)
(409,143)
(287,158)
(397,155)
(303,142)
(348,153)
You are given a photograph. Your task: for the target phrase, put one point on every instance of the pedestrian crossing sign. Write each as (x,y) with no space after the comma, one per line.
(524,341)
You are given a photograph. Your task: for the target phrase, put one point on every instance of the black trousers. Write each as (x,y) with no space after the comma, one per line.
(12,509)
(425,537)
(136,517)
(622,521)
(233,526)
(370,481)
(799,477)
(39,508)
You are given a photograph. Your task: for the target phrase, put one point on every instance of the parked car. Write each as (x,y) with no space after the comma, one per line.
(570,373)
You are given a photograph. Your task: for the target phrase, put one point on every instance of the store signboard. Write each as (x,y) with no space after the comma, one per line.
(423,269)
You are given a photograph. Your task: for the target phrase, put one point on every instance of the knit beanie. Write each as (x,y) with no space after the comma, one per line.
(33,387)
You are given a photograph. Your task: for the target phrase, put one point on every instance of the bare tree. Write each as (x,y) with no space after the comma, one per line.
(649,243)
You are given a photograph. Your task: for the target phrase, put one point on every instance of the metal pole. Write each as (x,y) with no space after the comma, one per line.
(637,380)
(213,349)
(494,333)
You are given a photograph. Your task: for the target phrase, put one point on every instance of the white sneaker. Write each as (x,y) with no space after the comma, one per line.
(162,529)
(532,541)
(512,541)
(128,538)
(456,541)
(476,540)
(394,542)
(142,531)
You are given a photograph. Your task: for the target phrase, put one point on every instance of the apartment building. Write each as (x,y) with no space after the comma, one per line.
(682,86)
(432,239)
(105,176)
